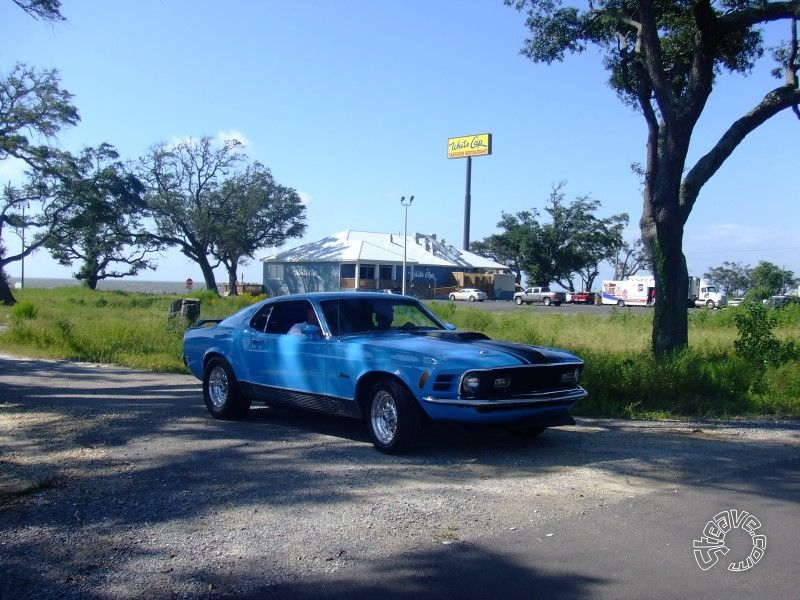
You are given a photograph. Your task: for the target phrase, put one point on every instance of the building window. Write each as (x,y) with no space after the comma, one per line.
(366,272)
(347,271)
(386,272)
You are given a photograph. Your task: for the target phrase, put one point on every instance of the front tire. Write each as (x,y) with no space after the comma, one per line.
(518,300)
(472,298)
(452,297)
(221,391)
(710,305)
(392,417)
(621,303)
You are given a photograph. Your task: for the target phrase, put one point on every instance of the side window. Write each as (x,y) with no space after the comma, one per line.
(259,320)
(286,314)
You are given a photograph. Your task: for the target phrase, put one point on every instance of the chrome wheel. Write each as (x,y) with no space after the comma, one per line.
(218,387)
(221,392)
(383,416)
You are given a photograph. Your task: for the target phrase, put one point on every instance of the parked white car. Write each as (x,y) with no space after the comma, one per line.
(470,294)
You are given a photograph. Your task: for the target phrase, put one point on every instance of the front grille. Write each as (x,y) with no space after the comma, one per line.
(531,379)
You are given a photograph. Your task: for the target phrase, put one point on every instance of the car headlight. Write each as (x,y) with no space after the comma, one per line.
(571,376)
(470,384)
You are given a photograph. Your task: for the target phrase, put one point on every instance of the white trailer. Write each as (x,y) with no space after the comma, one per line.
(634,291)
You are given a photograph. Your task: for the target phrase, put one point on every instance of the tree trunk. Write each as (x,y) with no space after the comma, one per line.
(6,297)
(233,289)
(670,320)
(208,275)
(90,281)
(662,225)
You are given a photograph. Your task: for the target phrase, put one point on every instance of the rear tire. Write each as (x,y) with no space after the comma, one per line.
(621,303)
(547,301)
(221,391)
(392,417)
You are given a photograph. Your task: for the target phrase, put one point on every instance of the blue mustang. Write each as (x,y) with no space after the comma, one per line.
(382,357)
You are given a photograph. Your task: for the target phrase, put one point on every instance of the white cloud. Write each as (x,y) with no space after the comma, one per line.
(220,138)
(304,198)
(729,237)
(746,244)
(233,134)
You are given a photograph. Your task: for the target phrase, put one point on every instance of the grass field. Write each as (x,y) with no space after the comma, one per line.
(713,378)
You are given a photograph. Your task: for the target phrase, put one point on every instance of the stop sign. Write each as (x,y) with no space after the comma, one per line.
(189,282)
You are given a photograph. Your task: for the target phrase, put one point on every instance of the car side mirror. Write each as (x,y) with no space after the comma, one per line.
(450,326)
(309,330)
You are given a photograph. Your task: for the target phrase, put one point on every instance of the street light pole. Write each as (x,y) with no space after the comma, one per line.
(406,204)
(22,277)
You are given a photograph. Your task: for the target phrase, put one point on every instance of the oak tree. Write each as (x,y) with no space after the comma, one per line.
(102,228)
(663,58)
(33,109)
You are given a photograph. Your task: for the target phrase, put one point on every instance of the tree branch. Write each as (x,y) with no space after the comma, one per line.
(775,101)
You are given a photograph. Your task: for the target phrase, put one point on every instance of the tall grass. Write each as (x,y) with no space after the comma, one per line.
(104,326)
(708,379)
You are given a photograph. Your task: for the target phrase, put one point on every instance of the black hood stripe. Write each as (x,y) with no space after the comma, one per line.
(534,355)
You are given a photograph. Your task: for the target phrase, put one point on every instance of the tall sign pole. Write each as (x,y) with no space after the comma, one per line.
(467,203)
(466,147)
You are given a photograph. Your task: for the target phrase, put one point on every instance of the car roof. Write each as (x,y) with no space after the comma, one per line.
(335,296)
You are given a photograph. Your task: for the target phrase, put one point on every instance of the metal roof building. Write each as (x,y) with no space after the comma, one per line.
(361,260)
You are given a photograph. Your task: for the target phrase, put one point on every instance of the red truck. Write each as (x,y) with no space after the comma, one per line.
(581,297)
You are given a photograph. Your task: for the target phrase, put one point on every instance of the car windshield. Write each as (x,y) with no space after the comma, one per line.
(359,315)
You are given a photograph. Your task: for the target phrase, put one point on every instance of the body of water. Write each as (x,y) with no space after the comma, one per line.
(128,285)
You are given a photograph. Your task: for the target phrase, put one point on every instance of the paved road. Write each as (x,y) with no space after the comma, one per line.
(115,484)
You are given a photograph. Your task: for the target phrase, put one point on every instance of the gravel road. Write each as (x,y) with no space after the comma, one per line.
(116,484)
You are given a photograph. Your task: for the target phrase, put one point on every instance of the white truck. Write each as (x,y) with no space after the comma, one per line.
(637,290)
(702,293)
(641,291)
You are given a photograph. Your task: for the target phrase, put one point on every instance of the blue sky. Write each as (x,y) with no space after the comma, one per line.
(351,103)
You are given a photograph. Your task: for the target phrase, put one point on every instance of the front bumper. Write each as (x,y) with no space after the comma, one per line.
(530,400)
(545,408)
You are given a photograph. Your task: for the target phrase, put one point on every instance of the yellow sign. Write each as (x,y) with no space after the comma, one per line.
(469,145)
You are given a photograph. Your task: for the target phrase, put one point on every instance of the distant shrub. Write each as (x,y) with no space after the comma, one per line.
(23,310)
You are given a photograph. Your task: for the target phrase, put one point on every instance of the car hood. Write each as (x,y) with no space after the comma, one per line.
(466,348)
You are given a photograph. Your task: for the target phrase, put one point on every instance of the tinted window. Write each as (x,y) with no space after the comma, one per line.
(282,315)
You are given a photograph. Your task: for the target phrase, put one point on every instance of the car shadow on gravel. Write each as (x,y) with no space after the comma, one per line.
(450,571)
